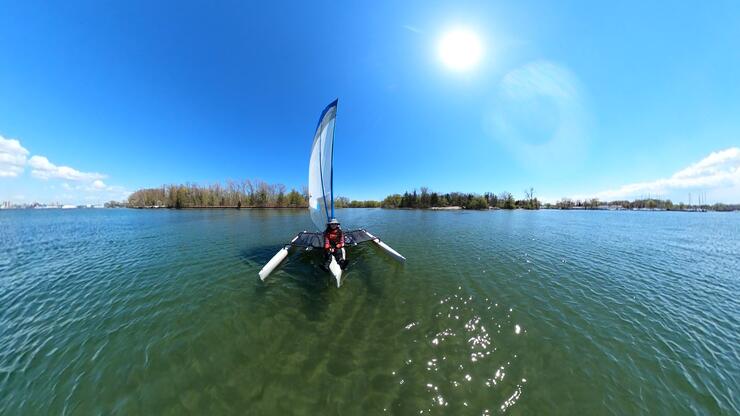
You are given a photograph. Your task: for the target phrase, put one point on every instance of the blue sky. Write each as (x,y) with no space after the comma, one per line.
(576,99)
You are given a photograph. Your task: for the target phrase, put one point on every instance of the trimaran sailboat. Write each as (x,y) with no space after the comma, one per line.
(321,201)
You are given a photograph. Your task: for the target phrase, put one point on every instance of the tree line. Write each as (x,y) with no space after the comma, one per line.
(260,194)
(642,203)
(242,194)
(424,199)
(344,202)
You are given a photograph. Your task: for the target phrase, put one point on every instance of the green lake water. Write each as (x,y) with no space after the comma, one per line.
(548,312)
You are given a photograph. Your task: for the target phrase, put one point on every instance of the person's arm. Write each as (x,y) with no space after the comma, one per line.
(340,244)
(327,244)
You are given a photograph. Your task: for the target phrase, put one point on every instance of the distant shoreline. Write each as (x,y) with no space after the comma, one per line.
(250,194)
(456,208)
(261,195)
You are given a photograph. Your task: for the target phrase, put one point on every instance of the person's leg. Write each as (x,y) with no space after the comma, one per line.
(341,256)
(327,260)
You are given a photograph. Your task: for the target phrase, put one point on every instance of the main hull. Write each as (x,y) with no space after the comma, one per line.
(335,271)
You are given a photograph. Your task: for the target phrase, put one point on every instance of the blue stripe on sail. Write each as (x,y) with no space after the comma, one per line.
(326,110)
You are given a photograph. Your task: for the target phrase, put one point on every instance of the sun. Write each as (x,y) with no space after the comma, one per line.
(460,49)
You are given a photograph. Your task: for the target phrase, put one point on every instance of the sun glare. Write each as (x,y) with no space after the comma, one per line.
(460,49)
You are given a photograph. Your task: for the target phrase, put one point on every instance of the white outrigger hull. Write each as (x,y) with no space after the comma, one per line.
(273,263)
(336,271)
(387,248)
(334,268)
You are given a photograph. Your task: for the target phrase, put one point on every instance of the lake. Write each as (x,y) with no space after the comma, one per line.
(544,312)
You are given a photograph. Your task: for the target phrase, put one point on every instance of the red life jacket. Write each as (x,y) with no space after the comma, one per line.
(333,238)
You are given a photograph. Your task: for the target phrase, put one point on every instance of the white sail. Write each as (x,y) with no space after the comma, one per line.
(320,169)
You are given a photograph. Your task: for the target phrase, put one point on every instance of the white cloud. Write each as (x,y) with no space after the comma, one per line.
(719,171)
(43,169)
(539,115)
(77,186)
(12,158)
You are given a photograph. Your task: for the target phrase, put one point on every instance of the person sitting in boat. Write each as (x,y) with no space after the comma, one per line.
(334,244)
